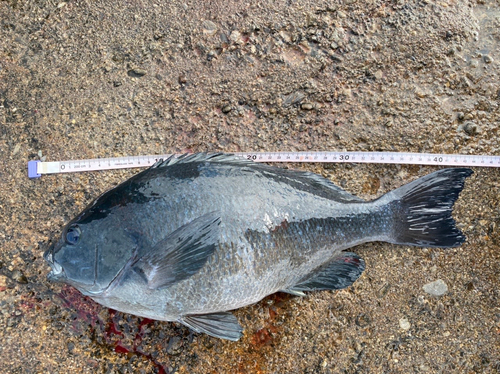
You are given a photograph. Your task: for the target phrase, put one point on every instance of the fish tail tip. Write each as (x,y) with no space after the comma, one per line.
(424,209)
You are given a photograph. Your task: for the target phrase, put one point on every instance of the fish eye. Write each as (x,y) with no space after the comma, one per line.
(73,234)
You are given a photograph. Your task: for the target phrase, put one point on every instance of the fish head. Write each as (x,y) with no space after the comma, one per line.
(93,249)
(71,261)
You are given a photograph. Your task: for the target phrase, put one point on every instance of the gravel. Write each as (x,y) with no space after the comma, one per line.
(101,79)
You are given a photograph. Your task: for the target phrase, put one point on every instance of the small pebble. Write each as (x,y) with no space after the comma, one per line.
(363,320)
(174,346)
(209,28)
(436,288)
(378,74)
(383,290)
(235,36)
(226,108)
(404,324)
(488,59)
(341,14)
(3,281)
(307,106)
(19,277)
(471,128)
(136,73)
(293,98)
(182,79)
(337,58)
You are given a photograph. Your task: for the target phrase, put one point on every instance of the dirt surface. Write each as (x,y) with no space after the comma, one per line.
(87,79)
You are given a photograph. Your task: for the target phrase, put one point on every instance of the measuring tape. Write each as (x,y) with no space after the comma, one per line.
(37,168)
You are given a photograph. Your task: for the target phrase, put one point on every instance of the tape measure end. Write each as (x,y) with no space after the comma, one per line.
(33,169)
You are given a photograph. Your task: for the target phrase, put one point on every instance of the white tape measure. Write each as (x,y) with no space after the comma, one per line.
(37,168)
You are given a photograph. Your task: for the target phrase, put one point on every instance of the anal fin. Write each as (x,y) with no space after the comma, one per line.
(221,325)
(335,275)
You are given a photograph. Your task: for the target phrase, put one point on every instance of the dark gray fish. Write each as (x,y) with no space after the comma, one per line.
(193,237)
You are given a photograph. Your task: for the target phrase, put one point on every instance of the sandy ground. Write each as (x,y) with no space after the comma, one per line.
(87,79)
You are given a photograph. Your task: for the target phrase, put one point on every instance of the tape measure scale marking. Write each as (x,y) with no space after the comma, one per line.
(36,168)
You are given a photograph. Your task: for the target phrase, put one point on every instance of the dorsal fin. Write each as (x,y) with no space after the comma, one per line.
(318,179)
(187,158)
(296,178)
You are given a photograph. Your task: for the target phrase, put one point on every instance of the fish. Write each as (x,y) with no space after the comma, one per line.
(194,237)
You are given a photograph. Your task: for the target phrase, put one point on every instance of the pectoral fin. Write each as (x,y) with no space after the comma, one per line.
(221,325)
(338,274)
(181,254)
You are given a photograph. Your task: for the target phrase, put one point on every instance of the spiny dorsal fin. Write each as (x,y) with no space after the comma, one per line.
(203,157)
(298,178)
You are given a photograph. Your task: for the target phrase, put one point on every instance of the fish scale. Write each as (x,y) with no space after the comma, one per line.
(194,237)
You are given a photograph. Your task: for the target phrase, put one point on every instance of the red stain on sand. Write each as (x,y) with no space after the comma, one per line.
(88,311)
(264,336)
(262,342)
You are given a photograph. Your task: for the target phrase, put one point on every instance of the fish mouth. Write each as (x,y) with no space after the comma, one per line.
(57,271)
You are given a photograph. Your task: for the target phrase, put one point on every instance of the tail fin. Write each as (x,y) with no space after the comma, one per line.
(422,209)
